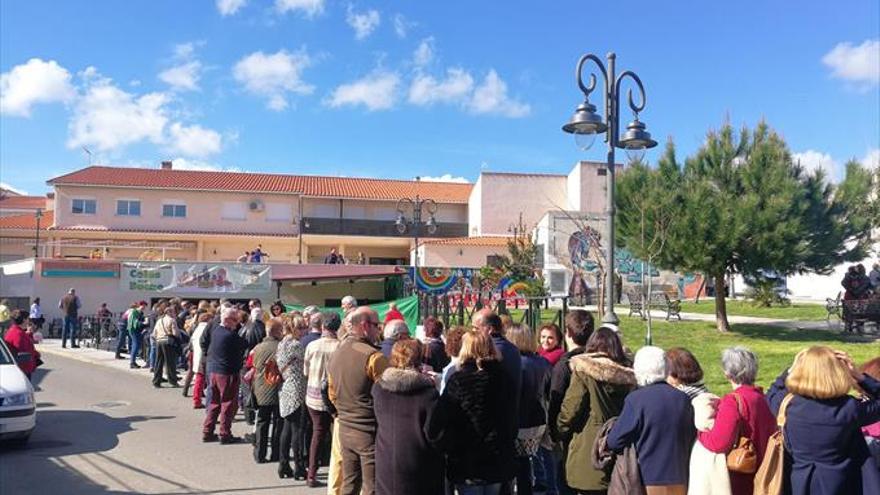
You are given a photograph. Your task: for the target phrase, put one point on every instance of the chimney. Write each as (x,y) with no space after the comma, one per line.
(166,165)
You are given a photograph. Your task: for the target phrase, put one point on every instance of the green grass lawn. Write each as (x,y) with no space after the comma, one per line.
(774,346)
(796,311)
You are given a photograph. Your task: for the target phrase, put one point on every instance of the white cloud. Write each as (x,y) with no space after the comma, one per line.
(402,25)
(858,64)
(184,77)
(310,8)
(194,140)
(816,160)
(107,118)
(36,81)
(491,97)
(273,76)
(363,23)
(456,88)
(872,158)
(445,178)
(229,7)
(14,189)
(377,91)
(424,54)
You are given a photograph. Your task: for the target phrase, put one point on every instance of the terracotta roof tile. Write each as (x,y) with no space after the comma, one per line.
(488,241)
(22,202)
(308,185)
(27,221)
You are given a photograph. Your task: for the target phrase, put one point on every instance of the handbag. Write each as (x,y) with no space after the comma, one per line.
(271,373)
(769,479)
(743,458)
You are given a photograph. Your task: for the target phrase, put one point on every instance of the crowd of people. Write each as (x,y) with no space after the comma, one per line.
(336,258)
(858,284)
(498,408)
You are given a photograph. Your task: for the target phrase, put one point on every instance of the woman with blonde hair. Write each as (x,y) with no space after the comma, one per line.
(823,423)
(470,421)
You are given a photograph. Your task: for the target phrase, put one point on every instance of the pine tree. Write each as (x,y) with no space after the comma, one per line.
(742,205)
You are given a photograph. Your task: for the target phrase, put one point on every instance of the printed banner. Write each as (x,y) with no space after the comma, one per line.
(226,277)
(182,278)
(146,276)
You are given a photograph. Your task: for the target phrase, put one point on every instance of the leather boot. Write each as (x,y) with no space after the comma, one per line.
(284,470)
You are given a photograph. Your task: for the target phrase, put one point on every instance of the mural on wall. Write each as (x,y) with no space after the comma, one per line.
(439,280)
(585,247)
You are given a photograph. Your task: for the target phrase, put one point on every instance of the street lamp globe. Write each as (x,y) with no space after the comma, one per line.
(636,140)
(585,124)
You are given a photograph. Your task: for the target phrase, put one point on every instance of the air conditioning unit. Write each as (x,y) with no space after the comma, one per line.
(255,205)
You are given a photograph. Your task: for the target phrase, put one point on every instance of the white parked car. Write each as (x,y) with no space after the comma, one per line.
(18,415)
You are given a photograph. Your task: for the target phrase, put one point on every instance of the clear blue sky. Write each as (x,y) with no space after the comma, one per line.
(399,89)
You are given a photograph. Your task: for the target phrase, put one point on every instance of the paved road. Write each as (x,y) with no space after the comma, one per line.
(102,431)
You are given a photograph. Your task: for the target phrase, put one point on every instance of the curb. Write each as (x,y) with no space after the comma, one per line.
(77,355)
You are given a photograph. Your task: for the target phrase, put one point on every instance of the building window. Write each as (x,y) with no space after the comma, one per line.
(128,207)
(174,211)
(84,206)
(234,210)
(557,281)
(493,261)
(279,212)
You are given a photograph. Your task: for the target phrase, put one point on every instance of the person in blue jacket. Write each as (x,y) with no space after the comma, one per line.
(659,420)
(823,423)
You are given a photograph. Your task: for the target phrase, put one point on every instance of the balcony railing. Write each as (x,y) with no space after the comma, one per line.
(375,228)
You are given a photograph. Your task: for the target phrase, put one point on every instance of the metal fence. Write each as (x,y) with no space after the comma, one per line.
(452,309)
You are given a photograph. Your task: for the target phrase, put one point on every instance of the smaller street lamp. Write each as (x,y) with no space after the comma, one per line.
(415,206)
(38,215)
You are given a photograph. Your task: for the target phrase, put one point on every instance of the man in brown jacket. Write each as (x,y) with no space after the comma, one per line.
(354,367)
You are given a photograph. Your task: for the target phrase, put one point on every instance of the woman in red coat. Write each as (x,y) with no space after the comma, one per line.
(21,343)
(742,412)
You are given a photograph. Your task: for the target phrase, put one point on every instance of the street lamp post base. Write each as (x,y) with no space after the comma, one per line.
(611,317)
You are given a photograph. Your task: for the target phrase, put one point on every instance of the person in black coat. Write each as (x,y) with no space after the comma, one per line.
(823,423)
(435,349)
(470,422)
(658,420)
(403,398)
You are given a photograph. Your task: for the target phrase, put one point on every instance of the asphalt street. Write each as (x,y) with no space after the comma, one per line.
(100,430)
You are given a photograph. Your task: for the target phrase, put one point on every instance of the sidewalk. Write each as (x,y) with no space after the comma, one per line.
(100,357)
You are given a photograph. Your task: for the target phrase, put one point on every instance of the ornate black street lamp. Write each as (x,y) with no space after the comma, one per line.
(586,124)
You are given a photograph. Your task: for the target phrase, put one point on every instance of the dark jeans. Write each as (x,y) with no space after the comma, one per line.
(135,338)
(121,341)
(166,356)
(320,430)
(358,461)
(69,330)
(523,476)
(290,431)
(267,416)
(222,404)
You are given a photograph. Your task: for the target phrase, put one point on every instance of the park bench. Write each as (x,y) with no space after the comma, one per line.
(657,300)
(857,313)
(833,308)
